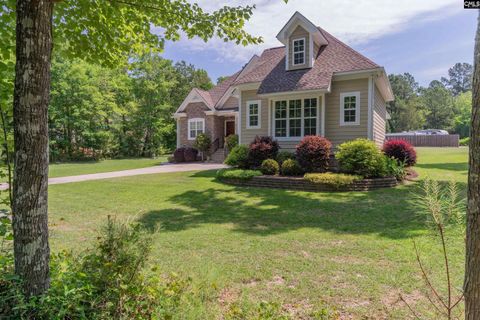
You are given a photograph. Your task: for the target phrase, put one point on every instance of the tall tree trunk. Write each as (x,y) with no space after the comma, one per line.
(472,264)
(30,105)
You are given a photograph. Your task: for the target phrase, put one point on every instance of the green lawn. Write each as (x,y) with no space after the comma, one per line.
(352,252)
(78,168)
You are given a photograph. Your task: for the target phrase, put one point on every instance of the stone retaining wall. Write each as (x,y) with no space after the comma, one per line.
(298,183)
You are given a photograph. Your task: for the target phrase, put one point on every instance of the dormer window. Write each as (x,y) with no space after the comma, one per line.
(298,51)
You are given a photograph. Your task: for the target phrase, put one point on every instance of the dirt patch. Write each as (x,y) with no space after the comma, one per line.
(251,282)
(227,296)
(276,281)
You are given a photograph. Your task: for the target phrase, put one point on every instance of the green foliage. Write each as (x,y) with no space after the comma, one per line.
(463,113)
(437,102)
(361,157)
(291,167)
(284,155)
(336,180)
(465,142)
(237,174)
(459,78)
(269,167)
(394,168)
(109,281)
(231,141)
(238,157)
(203,142)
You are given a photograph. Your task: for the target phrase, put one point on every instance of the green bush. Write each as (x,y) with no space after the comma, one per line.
(231,141)
(361,157)
(335,180)
(395,168)
(291,167)
(203,143)
(110,281)
(238,157)
(270,167)
(465,141)
(284,155)
(237,174)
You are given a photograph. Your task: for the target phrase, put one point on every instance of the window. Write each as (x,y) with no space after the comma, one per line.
(350,108)
(195,127)
(310,117)
(253,114)
(298,51)
(295,118)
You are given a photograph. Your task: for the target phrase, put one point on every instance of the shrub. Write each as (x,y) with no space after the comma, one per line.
(179,155)
(395,168)
(313,153)
(335,180)
(465,141)
(270,167)
(262,148)
(238,157)
(231,141)
(291,167)
(109,281)
(284,155)
(237,174)
(361,157)
(190,154)
(203,143)
(400,150)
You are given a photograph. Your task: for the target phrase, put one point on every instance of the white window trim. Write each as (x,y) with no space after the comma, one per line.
(202,120)
(343,95)
(288,138)
(293,52)
(259,125)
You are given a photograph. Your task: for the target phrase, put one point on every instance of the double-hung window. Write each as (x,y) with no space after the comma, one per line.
(350,108)
(195,127)
(253,114)
(298,51)
(295,118)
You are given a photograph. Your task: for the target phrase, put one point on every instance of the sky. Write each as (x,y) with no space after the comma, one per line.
(422,37)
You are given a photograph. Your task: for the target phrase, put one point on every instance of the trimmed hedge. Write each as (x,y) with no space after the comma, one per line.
(361,157)
(313,153)
(190,154)
(284,155)
(238,157)
(336,180)
(179,155)
(270,167)
(237,174)
(231,141)
(262,148)
(400,150)
(291,167)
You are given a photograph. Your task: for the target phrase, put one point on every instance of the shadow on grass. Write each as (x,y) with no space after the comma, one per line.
(386,212)
(459,166)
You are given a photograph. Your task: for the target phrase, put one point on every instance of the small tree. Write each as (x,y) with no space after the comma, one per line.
(203,144)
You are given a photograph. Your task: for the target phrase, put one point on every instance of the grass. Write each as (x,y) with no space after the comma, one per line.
(87,167)
(349,251)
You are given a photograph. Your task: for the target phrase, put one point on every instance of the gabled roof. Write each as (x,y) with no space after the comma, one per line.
(299,19)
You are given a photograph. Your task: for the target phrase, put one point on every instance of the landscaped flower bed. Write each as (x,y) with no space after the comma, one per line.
(362,166)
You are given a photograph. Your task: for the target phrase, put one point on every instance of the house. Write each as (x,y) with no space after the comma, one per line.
(312,85)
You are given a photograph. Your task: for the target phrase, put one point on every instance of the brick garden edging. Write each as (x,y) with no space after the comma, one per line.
(298,183)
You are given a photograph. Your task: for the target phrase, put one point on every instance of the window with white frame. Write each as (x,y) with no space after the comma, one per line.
(195,127)
(295,118)
(253,114)
(298,51)
(350,108)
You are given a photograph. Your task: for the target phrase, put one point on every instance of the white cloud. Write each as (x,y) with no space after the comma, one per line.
(353,21)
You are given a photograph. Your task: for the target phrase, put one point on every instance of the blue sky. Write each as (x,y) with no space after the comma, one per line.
(424,37)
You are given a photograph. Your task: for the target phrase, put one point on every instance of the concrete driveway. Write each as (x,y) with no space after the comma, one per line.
(163,168)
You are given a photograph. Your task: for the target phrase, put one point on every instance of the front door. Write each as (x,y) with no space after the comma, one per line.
(229,128)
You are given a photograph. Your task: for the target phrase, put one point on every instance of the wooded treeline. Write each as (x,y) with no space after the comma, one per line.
(444,104)
(96,112)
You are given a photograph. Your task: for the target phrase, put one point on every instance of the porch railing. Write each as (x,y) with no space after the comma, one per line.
(215,145)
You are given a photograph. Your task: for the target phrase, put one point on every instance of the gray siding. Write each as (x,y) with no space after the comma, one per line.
(249,134)
(379,118)
(299,32)
(333,130)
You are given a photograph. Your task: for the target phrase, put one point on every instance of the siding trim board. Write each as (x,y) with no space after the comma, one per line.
(370,107)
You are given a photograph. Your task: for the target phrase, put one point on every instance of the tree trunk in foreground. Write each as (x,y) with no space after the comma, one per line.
(472,263)
(30,105)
